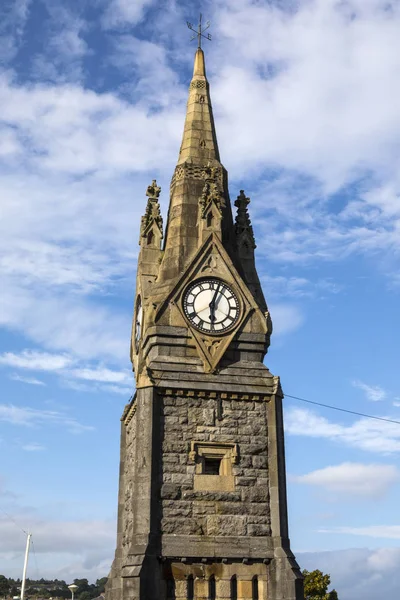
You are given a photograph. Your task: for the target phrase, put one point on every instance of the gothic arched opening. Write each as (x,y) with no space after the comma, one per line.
(255,588)
(234,588)
(190,588)
(212,593)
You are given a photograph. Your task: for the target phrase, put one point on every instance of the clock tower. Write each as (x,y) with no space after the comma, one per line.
(202,493)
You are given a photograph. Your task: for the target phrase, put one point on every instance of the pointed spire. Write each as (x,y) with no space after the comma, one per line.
(199,186)
(199,142)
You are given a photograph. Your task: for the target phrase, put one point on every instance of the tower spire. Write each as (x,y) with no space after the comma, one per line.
(198,164)
(199,141)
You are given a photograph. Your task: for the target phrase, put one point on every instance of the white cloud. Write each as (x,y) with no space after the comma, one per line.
(375,531)
(32,417)
(286,318)
(33,447)
(365,434)
(35,360)
(353,479)
(61,536)
(374,393)
(102,375)
(358,573)
(28,380)
(122,12)
(62,365)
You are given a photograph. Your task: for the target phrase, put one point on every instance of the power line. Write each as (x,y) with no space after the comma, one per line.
(351,412)
(13,520)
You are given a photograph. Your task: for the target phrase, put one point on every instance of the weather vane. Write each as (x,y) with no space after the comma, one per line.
(199,33)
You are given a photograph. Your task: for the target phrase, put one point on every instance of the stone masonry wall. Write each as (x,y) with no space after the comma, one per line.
(242,512)
(130,456)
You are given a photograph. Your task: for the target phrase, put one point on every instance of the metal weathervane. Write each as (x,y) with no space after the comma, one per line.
(199,33)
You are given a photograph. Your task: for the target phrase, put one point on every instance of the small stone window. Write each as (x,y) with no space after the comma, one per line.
(213,465)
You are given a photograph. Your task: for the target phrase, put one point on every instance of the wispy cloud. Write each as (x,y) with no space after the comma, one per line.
(62,365)
(354,479)
(365,434)
(374,531)
(28,380)
(374,393)
(33,447)
(32,417)
(36,360)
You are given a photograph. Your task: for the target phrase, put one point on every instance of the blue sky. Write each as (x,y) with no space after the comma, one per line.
(305,96)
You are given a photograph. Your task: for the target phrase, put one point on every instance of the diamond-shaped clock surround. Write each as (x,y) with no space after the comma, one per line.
(211,260)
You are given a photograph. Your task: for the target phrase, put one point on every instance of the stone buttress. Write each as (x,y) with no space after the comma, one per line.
(202,495)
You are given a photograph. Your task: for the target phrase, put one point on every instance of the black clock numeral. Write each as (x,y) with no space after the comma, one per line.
(212,285)
(192,315)
(201,324)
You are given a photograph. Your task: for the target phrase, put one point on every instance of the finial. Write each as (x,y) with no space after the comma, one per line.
(153,190)
(200,31)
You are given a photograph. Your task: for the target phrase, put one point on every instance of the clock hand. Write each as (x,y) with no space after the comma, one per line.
(212,305)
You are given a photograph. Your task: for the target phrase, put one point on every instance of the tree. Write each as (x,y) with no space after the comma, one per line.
(101,584)
(316,586)
(4,586)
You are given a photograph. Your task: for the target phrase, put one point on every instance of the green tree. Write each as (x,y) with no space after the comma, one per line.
(316,586)
(4,586)
(101,584)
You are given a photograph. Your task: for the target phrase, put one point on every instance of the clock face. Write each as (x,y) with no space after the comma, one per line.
(211,306)
(138,321)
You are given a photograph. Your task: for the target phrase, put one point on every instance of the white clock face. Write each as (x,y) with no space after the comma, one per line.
(138,322)
(211,305)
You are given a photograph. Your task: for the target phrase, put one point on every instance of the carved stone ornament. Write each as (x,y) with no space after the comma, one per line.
(243,226)
(152,214)
(211,195)
(211,265)
(153,190)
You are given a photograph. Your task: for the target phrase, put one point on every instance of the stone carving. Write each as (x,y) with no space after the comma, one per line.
(211,195)
(197,84)
(152,216)
(202,144)
(243,226)
(211,264)
(191,171)
(211,345)
(153,190)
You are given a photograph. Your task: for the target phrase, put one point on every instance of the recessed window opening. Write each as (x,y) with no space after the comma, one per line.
(209,219)
(255,588)
(212,594)
(212,465)
(150,237)
(190,587)
(234,588)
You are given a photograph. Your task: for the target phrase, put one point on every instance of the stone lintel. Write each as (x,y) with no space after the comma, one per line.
(198,547)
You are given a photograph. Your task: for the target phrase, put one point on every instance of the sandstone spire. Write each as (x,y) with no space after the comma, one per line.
(198,174)
(199,141)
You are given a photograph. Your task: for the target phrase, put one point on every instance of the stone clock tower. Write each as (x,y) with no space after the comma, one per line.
(202,493)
